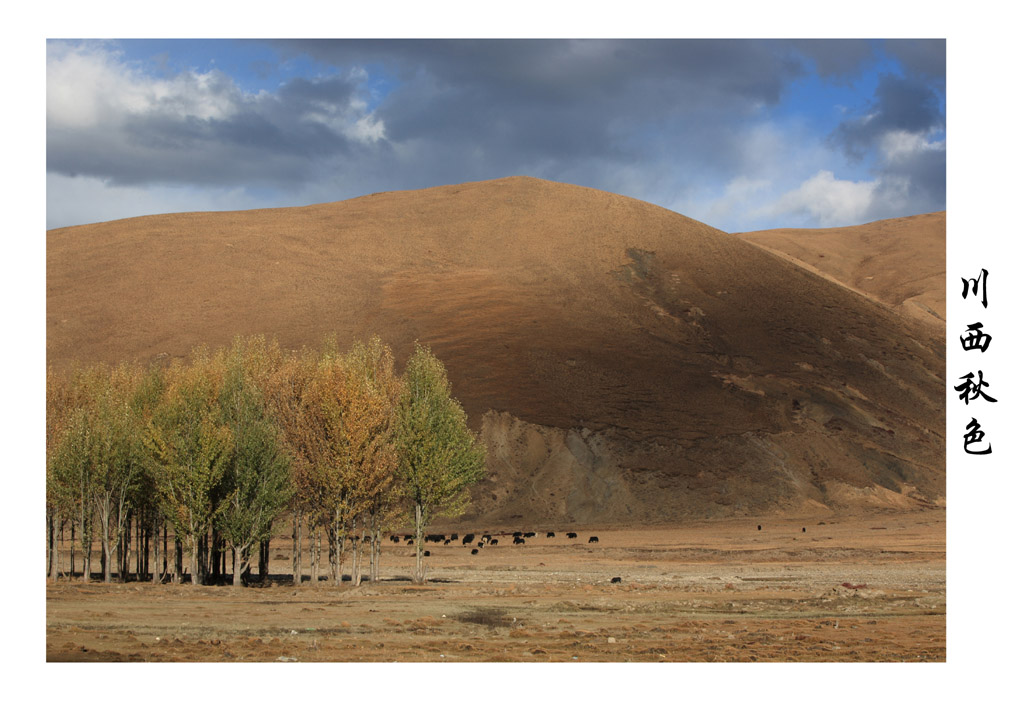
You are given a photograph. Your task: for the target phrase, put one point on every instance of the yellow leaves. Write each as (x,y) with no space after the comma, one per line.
(336,412)
(349,421)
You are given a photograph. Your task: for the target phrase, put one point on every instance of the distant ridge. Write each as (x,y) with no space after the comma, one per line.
(625,363)
(901,262)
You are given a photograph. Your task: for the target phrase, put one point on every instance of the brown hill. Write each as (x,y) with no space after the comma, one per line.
(901,262)
(624,363)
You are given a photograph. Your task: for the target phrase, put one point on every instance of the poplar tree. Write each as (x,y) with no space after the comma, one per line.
(71,478)
(304,396)
(191,447)
(257,475)
(145,402)
(366,431)
(438,456)
(59,497)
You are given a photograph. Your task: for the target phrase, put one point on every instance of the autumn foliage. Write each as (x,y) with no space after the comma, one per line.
(212,455)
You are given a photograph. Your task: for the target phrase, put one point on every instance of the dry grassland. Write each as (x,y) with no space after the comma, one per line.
(865,588)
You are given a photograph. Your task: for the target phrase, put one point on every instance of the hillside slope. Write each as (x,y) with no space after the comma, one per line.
(901,262)
(624,363)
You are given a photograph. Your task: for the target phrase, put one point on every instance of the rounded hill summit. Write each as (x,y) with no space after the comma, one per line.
(622,361)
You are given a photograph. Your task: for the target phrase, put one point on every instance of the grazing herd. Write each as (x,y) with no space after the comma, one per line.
(484,540)
(518,538)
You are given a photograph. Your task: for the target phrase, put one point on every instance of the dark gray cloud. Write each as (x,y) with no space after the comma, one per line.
(269,138)
(844,59)
(918,176)
(569,71)
(545,107)
(836,59)
(484,107)
(921,57)
(629,116)
(903,132)
(507,81)
(900,104)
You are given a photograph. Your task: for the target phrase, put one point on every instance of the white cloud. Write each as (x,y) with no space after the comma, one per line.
(365,129)
(824,200)
(88,86)
(351,119)
(772,183)
(900,145)
(732,206)
(165,138)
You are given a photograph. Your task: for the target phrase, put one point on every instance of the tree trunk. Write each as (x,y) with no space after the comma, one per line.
(264,559)
(222,549)
(104,534)
(375,543)
(142,549)
(337,546)
(237,579)
(421,573)
(85,530)
(357,549)
(144,544)
(55,525)
(49,541)
(105,538)
(72,563)
(378,538)
(373,553)
(155,545)
(122,549)
(314,555)
(62,525)
(179,559)
(87,552)
(126,543)
(86,548)
(297,548)
(202,557)
(87,560)
(319,553)
(193,543)
(215,547)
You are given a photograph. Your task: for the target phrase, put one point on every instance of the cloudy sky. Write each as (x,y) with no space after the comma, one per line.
(741,134)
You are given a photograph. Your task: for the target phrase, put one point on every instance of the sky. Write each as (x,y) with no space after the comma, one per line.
(739,134)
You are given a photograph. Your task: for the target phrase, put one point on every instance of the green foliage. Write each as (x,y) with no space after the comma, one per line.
(144,403)
(116,451)
(191,447)
(68,477)
(228,441)
(438,456)
(367,423)
(95,455)
(70,402)
(257,478)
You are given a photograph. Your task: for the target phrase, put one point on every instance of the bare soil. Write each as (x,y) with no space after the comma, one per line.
(899,262)
(855,588)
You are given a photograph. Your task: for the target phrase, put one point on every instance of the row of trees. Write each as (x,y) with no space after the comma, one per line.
(221,447)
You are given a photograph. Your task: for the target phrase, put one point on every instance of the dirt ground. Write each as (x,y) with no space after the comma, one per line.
(865,588)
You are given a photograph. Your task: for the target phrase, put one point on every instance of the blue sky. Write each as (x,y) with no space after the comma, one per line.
(740,134)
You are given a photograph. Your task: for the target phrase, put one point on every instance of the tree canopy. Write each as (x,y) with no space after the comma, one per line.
(222,444)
